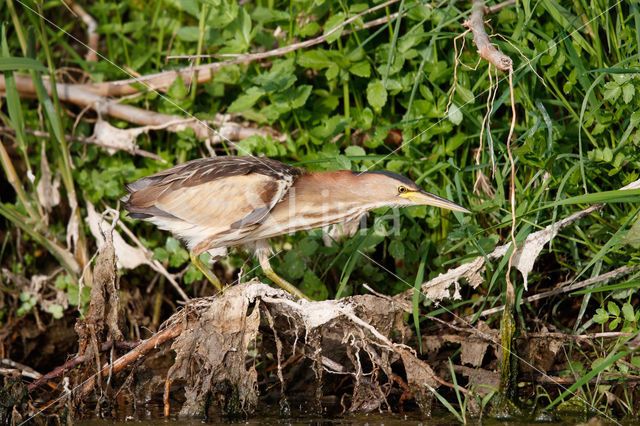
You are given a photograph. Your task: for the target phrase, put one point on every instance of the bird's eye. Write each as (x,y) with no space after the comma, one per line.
(402,189)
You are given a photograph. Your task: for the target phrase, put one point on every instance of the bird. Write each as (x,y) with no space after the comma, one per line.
(228,201)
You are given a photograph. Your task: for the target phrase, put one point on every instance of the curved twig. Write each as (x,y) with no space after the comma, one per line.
(485,49)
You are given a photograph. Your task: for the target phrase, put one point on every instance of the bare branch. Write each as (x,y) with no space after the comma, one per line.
(498,7)
(204,72)
(80,95)
(485,49)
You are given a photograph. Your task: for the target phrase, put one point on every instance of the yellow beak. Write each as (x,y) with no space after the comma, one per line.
(428,199)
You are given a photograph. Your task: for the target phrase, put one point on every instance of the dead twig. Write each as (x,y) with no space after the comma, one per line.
(93,38)
(75,362)
(498,7)
(80,95)
(166,78)
(590,336)
(485,49)
(604,277)
(133,150)
(132,356)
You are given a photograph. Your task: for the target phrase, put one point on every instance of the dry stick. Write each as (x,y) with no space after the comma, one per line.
(79,95)
(132,356)
(590,336)
(74,362)
(498,7)
(41,134)
(93,38)
(165,78)
(485,49)
(457,55)
(559,290)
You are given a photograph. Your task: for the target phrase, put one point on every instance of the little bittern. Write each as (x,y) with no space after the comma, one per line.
(229,201)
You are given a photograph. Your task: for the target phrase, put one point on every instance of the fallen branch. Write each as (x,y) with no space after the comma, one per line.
(204,72)
(75,362)
(81,95)
(498,7)
(133,150)
(135,354)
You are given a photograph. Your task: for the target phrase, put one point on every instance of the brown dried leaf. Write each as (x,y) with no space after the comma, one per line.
(113,139)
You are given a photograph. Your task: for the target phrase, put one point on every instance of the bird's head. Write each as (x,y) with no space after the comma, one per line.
(395,189)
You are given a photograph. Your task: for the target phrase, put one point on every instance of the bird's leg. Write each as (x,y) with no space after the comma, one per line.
(284,284)
(195,259)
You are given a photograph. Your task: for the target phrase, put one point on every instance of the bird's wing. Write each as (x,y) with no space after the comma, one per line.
(207,201)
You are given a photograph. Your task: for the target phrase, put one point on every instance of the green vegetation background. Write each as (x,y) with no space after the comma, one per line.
(366,98)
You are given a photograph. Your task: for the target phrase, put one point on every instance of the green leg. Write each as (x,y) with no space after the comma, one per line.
(206,271)
(284,284)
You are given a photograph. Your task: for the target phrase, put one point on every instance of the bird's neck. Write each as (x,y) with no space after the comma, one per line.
(319,199)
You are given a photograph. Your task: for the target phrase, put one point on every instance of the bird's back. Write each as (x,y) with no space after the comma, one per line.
(211,202)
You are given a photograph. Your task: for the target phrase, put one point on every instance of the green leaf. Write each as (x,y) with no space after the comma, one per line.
(308,246)
(13,63)
(265,15)
(310,29)
(172,245)
(355,150)
(331,23)
(246,100)
(313,287)
(192,275)
(329,128)
(628,90)
(601,316)
(277,79)
(160,254)
(455,115)
(298,96)
(178,90)
(294,265)
(628,313)
(613,308)
(314,59)
(617,196)
(222,14)
(614,324)
(361,69)
(179,258)
(376,94)
(343,162)
(332,71)
(612,91)
(396,249)
(56,310)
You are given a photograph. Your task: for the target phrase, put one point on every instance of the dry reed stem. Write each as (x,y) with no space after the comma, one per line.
(93,38)
(559,290)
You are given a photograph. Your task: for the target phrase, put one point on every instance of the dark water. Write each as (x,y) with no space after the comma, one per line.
(152,414)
